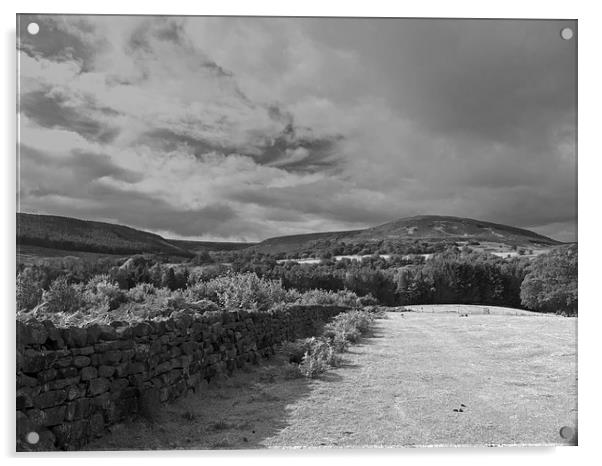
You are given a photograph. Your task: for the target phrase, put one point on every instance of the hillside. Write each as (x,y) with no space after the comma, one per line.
(72,234)
(423,228)
(199,246)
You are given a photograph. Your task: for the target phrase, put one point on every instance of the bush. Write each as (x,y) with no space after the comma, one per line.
(348,327)
(344,298)
(551,282)
(29,291)
(244,291)
(62,297)
(367,300)
(99,292)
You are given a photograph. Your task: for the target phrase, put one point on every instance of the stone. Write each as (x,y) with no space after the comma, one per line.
(111,357)
(31,333)
(74,392)
(32,362)
(26,381)
(141,329)
(75,336)
(124,332)
(136,368)
(49,399)
(85,351)
(54,416)
(47,375)
(59,384)
(119,384)
(68,372)
(106,371)
(24,399)
(70,435)
(89,373)
(81,361)
(98,386)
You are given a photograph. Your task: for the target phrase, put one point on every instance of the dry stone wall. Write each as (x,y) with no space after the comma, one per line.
(73,383)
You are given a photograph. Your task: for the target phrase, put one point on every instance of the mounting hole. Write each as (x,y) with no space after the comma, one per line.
(566,433)
(32,438)
(566,33)
(33,28)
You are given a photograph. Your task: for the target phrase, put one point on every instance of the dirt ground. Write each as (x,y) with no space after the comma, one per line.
(422,378)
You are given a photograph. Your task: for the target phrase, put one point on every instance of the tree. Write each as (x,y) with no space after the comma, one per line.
(551,283)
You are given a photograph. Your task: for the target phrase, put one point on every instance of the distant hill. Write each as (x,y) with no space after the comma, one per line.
(72,234)
(199,246)
(430,228)
(64,234)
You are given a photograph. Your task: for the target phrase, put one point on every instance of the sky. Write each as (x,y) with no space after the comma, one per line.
(240,129)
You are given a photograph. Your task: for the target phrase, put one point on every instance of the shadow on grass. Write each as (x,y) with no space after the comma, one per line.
(237,412)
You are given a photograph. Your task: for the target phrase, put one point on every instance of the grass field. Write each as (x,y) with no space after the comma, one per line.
(514,377)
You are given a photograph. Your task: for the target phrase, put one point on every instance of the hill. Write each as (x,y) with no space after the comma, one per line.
(71,234)
(419,229)
(199,246)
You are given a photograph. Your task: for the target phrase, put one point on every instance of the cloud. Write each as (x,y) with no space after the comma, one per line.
(254,127)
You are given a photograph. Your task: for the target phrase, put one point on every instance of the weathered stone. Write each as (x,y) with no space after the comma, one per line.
(93,332)
(32,361)
(108,333)
(54,416)
(78,409)
(85,351)
(31,333)
(136,368)
(64,362)
(127,354)
(70,435)
(124,332)
(74,391)
(24,399)
(89,373)
(119,384)
(47,375)
(81,361)
(49,399)
(121,370)
(75,336)
(98,386)
(142,329)
(111,357)
(26,381)
(68,372)
(106,371)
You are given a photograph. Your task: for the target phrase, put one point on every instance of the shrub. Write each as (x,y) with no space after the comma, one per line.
(29,291)
(367,300)
(101,293)
(551,282)
(312,366)
(312,355)
(329,298)
(62,297)
(245,291)
(141,293)
(348,327)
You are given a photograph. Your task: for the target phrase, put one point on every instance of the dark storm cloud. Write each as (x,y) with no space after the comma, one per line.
(83,166)
(288,125)
(287,151)
(317,199)
(52,111)
(56,43)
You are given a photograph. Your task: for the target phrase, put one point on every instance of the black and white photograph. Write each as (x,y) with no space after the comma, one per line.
(270,232)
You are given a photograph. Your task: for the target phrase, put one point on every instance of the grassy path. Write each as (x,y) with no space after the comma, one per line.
(516,376)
